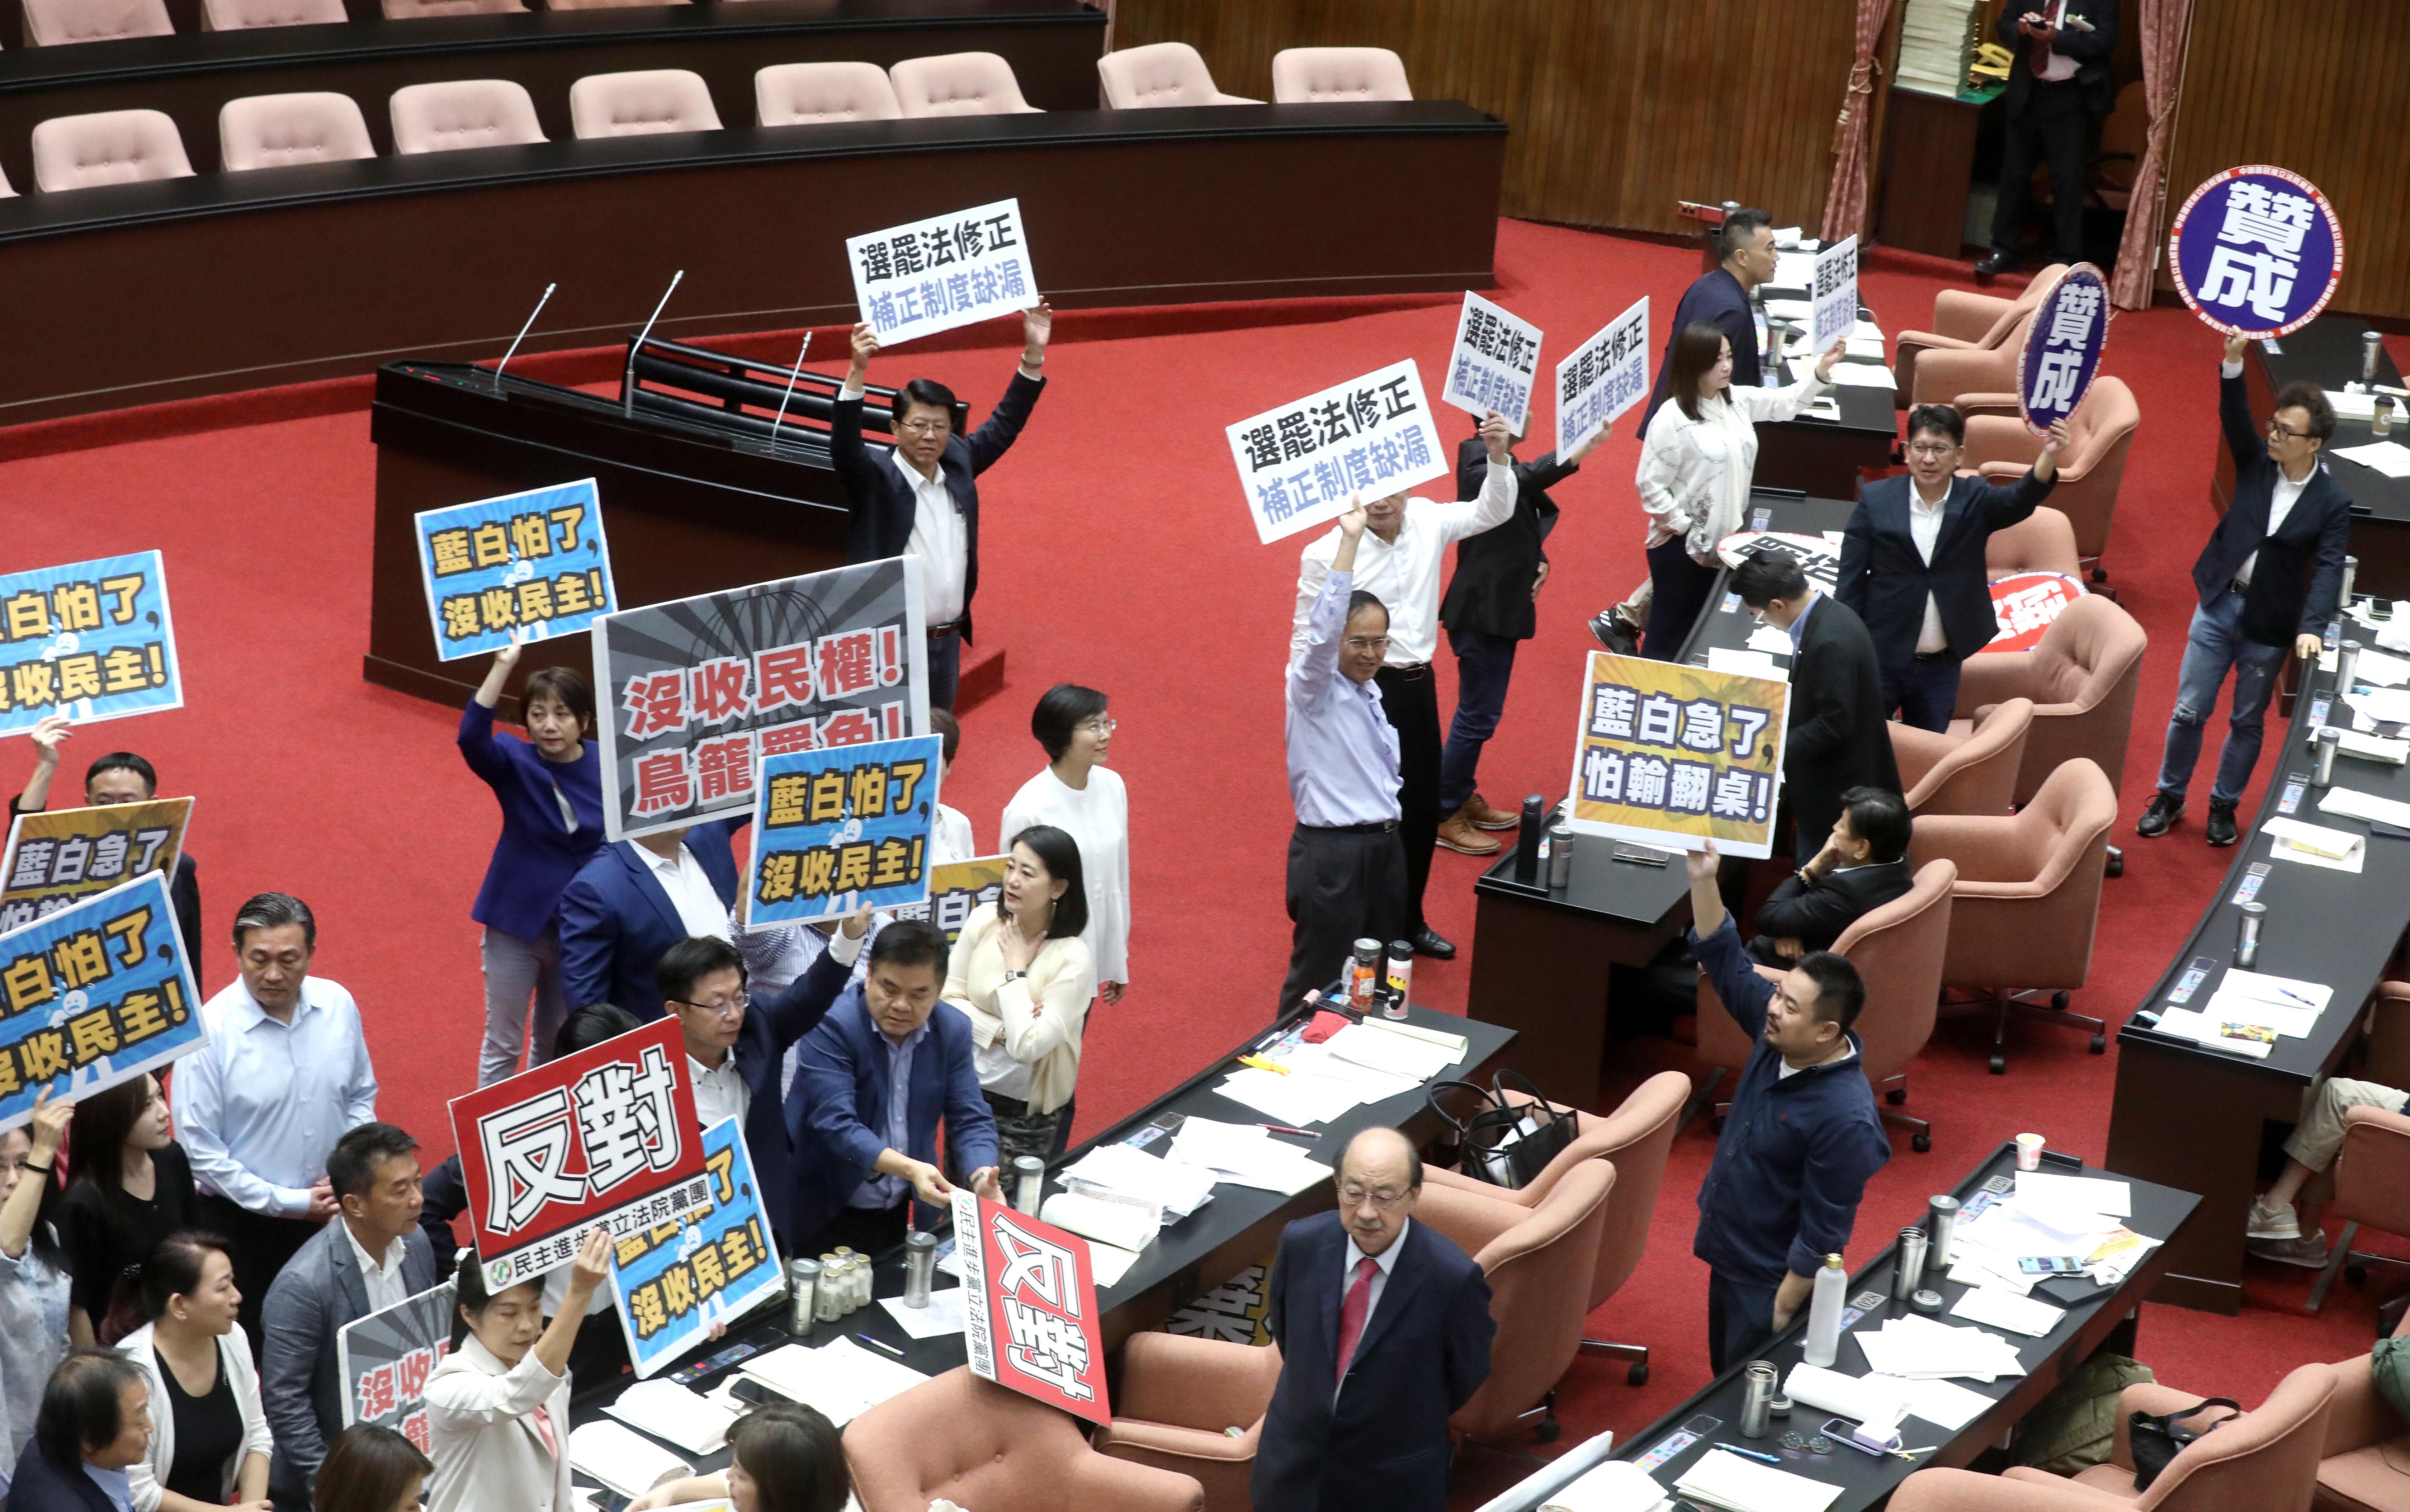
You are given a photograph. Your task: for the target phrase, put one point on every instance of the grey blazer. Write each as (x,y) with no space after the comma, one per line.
(319,1290)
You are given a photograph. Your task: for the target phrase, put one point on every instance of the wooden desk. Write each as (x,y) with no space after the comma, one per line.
(1928,163)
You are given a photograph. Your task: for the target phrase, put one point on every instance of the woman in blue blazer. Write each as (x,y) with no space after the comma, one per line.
(550,788)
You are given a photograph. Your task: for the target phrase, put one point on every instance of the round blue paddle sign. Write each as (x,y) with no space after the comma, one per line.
(2063,347)
(2257,252)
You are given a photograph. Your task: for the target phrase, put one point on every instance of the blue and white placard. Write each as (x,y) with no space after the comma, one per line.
(2063,347)
(2257,252)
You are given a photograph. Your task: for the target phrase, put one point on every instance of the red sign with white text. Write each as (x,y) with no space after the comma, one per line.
(2025,604)
(607,1136)
(1031,1307)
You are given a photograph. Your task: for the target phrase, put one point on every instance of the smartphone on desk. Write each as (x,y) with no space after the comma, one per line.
(2048,1265)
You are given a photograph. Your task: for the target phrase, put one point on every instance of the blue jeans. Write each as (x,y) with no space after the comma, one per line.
(945,669)
(1484,662)
(2214,643)
(1924,693)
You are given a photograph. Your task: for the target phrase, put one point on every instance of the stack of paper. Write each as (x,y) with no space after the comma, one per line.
(2374,667)
(1920,1348)
(1129,1225)
(1726,1480)
(2316,845)
(2188,1024)
(669,1411)
(841,1378)
(1247,1155)
(2004,1309)
(1937,43)
(943,1315)
(2372,748)
(1616,1486)
(1376,1043)
(627,1462)
(2350,805)
(2391,705)
(2103,1195)
(1174,1188)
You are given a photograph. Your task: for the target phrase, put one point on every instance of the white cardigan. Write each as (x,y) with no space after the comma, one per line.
(1037,1019)
(234,1356)
(489,1457)
(1695,474)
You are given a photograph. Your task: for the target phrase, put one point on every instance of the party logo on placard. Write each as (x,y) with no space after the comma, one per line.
(2256,251)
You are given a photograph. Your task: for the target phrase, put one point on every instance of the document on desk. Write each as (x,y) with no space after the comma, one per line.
(2316,845)
(1919,1348)
(1616,1486)
(2092,1194)
(2269,987)
(2365,746)
(2388,704)
(2286,1020)
(2185,1023)
(943,1315)
(2389,458)
(1745,663)
(1767,638)
(621,1458)
(668,1410)
(1402,1055)
(1789,308)
(2384,670)
(2007,1310)
(840,1378)
(1724,1480)
(1247,1155)
(1173,1183)
(2349,804)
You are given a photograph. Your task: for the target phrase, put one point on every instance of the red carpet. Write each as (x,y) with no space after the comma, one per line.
(1117,555)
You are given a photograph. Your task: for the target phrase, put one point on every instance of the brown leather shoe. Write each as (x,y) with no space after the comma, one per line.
(1483,817)
(1457,835)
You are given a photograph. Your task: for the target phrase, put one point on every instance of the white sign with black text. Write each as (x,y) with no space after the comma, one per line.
(1492,366)
(1834,296)
(1371,436)
(946,271)
(1603,377)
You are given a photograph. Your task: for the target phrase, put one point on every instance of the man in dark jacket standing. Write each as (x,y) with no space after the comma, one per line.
(1836,739)
(1800,1142)
(2269,577)
(2059,82)
(1487,610)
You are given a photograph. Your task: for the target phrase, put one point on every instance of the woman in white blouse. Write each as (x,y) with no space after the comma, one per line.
(1021,972)
(1078,794)
(498,1407)
(210,1441)
(1695,464)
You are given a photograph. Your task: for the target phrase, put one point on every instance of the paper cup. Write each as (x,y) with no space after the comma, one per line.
(2029,1152)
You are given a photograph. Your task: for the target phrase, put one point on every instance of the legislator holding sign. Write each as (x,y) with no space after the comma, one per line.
(2257,252)
(1603,377)
(1833,301)
(383,1361)
(837,830)
(1679,754)
(58,857)
(1030,1304)
(96,994)
(2064,340)
(713,1261)
(606,1136)
(1302,462)
(693,696)
(521,567)
(955,890)
(946,271)
(1493,365)
(92,640)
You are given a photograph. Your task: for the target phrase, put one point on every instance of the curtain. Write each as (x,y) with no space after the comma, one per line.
(2163,24)
(1845,202)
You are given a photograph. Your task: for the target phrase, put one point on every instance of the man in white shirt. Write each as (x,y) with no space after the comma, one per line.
(633,901)
(923,497)
(1398,563)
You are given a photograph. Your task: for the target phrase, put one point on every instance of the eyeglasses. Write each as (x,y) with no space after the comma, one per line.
(2276,430)
(1100,726)
(1366,643)
(925,427)
(1355,1197)
(1931,449)
(728,1010)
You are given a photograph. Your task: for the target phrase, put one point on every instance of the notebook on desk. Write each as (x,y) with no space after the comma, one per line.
(1734,1484)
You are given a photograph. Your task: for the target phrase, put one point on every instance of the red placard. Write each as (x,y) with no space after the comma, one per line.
(2025,604)
(1030,1303)
(607,1136)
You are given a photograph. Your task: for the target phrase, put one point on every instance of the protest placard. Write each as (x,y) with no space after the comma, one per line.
(2064,342)
(2256,251)
(1493,365)
(673,1279)
(945,271)
(58,857)
(1816,556)
(383,1361)
(525,566)
(1671,753)
(97,992)
(2025,604)
(1300,463)
(1030,1303)
(834,830)
(955,889)
(606,1136)
(693,696)
(92,640)
(1603,377)
(1833,312)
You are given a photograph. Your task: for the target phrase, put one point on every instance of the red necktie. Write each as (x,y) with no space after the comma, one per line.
(2037,57)
(1353,1312)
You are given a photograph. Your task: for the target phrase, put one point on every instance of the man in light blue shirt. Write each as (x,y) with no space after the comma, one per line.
(286,1075)
(1346,865)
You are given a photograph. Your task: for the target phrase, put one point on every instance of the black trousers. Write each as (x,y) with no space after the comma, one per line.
(1682,587)
(1410,696)
(261,1246)
(2051,129)
(1740,1319)
(1343,885)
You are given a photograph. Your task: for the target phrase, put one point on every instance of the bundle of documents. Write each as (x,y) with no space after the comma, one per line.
(1885,1399)
(2350,805)
(1130,1226)
(2004,1309)
(1363,1063)
(2389,458)
(2373,748)
(1616,1486)
(1726,1480)
(668,1410)
(1936,45)
(842,1380)
(2316,845)
(1399,1048)
(2374,667)
(1173,1187)
(2386,705)
(1246,1155)
(1919,1348)
(627,1462)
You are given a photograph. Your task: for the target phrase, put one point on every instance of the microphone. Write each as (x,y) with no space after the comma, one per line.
(798,371)
(522,335)
(628,379)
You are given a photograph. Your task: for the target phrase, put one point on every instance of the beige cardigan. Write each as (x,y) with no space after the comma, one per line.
(1038,1017)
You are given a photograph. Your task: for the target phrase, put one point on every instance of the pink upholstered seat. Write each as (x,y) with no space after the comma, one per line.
(1964,321)
(81,152)
(273,131)
(56,23)
(2000,448)
(989,1449)
(462,113)
(244,15)
(810,93)
(958,83)
(606,5)
(1178,1397)
(2042,541)
(1318,76)
(2081,678)
(641,103)
(413,9)
(5,192)
(1975,773)
(1161,74)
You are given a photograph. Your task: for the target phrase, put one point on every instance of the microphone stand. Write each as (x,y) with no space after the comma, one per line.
(628,379)
(521,336)
(770,447)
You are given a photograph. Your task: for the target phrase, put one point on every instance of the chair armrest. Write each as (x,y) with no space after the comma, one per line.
(1967,317)
(2388,1034)
(1993,439)
(2041,1491)
(1176,1443)
(1918,751)
(1099,1481)
(2373,1170)
(1202,1384)
(1972,405)
(2357,1417)
(1991,854)
(1995,677)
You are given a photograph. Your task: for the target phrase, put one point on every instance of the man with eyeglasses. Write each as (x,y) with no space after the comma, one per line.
(1359,1421)
(2269,578)
(923,496)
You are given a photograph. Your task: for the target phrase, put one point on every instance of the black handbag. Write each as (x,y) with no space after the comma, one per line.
(1506,1144)
(2155,1441)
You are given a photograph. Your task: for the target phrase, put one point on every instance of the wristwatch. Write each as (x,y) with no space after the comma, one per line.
(1014,975)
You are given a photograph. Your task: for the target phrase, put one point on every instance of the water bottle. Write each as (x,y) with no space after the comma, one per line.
(1824,1314)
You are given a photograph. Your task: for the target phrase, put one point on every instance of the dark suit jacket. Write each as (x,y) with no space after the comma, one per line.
(2092,51)
(1381,1446)
(1817,915)
(41,1485)
(1837,740)
(2298,580)
(882,505)
(1492,590)
(771,1024)
(1717,298)
(319,1290)
(1885,581)
(615,922)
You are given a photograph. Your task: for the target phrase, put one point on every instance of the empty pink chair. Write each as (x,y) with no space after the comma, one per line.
(244,15)
(606,5)
(1322,76)
(641,103)
(958,83)
(5,192)
(1162,75)
(814,94)
(1974,773)
(416,9)
(82,151)
(462,113)
(57,23)
(274,131)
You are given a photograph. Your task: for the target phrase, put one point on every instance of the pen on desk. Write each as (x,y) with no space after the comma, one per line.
(2287,992)
(1262,1064)
(876,1345)
(1755,1454)
(1283,1128)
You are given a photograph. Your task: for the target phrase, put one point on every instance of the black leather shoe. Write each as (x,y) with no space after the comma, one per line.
(2221,822)
(1997,264)
(1609,631)
(2160,817)
(1428,942)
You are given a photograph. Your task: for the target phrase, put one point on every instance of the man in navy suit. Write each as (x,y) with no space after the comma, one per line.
(95,1421)
(1720,297)
(1912,561)
(633,901)
(2269,577)
(2058,81)
(1385,1329)
(923,496)
(873,1081)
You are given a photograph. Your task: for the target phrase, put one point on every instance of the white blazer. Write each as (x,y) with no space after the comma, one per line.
(234,1358)
(1694,475)
(488,1456)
